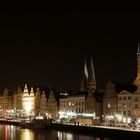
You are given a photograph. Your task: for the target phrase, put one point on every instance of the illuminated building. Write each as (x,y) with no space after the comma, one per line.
(28,101)
(125,106)
(43,104)
(72,106)
(63,105)
(6,103)
(76,104)
(110,100)
(18,101)
(37,101)
(52,106)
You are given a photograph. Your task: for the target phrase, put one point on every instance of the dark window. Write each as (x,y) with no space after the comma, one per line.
(124,98)
(136,106)
(129,98)
(129,113)
(120,98)
(136,99)
(81,110)
(124,112)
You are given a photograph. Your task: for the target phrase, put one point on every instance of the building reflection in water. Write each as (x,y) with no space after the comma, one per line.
(71,136)
(9,132)
(27,134)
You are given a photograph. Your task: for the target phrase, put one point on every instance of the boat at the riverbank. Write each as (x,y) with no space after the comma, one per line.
(36,124)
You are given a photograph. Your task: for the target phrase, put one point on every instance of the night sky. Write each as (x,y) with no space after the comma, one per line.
(46,44)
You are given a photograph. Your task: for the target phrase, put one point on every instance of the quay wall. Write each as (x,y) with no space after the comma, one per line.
(99,131)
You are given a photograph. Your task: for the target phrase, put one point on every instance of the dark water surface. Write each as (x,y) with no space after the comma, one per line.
(10,132)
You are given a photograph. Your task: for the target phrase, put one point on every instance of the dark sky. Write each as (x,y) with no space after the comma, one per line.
(46,44)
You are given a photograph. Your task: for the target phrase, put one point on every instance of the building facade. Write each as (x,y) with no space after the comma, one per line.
(52,106)
(38,101)
(18,101)
(125,106)
(28,101)
(43,104)
(110,100)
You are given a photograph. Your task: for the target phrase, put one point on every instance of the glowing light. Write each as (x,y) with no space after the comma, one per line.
(124,120)
(71,114)
(89,114)
(39,117)
(119,118)
(129,120)
(27,134)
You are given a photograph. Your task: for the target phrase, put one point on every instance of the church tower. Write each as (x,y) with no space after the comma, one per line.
(91,80)
(137,80)
(84,80)
(90,102)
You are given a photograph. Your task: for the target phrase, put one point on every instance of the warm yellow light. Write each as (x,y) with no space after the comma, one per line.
(27,134)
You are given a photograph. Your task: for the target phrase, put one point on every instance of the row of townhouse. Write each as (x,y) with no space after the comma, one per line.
(29,101)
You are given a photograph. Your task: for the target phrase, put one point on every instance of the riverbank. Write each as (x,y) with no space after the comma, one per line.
(10,122)
(113,132)
(101,131)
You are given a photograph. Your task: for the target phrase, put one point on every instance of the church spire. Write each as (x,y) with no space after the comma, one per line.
(19,91)
(138,51)
(25,92)
(137,79)
(92,73)
(92,79)
(84,78)
(32,92)
(85,71)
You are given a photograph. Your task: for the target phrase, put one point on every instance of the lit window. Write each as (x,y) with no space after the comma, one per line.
(108,105)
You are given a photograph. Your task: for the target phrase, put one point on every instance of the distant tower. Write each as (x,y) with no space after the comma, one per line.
(91,80)
(84,80)
(137,79)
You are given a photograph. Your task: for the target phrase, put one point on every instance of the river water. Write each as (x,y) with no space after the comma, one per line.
(10,132)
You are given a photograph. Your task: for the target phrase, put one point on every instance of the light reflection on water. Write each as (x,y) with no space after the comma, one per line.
(8,132)
(27,134)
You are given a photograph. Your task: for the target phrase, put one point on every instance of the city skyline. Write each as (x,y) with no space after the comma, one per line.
(48,45)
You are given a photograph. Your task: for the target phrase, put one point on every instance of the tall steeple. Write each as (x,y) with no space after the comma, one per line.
(137,79)
(19,91)
(86,71)
(32,92)
(84,78)
(92,79)
(25,92)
